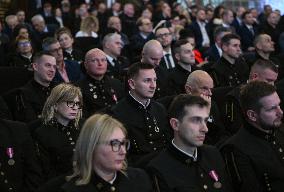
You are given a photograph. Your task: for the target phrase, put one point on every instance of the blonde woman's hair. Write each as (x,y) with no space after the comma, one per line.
(86,23)
(97,128)
(61,93)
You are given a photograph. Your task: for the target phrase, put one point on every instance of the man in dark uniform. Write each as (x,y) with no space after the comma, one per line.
(184,54)
(151,54)
(117,64)
(19,170)
(200,83)
(254,155)
(188,165)
(26,103)
(262,70)
(231,69)
(144,119)
(99,90)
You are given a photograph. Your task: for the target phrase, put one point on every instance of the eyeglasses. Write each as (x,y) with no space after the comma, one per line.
(163,35)
(116,144)
(97,60)
(24,44)
(72,104)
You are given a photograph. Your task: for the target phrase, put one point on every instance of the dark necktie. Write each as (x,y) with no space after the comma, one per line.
(251,31)
(116,65)
(168,61)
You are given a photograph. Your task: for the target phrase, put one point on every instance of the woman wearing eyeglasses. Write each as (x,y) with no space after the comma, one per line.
(100,160)
(60,129)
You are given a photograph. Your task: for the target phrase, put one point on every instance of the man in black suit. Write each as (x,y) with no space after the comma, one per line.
(254,156)
(247,32)
(117,64)
(237,22)
(19,170)
(201,31)
(186,164)
(214,53)
(145,33)
(41,29)
(164,36)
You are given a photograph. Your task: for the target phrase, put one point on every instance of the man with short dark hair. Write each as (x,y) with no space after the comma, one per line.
(231,69)
(188,165)
(254,155)
(262,70)
(248,31)
(67,70)
(32,96)
(164,36)
(183,52)
(144,119)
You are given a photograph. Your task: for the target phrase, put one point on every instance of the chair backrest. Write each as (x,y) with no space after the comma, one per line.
(13,77)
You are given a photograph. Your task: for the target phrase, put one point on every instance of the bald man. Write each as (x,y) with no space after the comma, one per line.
(262,70)
(99,90)
(152,54)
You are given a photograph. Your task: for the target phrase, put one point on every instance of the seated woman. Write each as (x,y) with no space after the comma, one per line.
(24,53)
(99,160)
(57,136)
(66,40)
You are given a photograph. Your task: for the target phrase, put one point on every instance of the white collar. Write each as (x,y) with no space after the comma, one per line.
(194,155)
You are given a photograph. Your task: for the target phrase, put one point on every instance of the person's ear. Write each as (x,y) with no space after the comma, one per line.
(131,83)
(174,124)
(251,115)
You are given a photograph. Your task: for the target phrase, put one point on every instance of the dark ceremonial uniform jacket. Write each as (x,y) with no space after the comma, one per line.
(134,180)
(75,55)
(21,172)
(174,171)
(119,70)
(17,60)
(255,160)
(147,128)
(178,77)
(225,74)
(163,86)
(99,94)
(30,100)
(233,113)
(56,144)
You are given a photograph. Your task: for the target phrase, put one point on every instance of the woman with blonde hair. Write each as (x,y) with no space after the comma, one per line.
(60,129)
(100,160)
(89,27)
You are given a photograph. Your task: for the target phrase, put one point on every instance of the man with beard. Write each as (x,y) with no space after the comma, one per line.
(254,155)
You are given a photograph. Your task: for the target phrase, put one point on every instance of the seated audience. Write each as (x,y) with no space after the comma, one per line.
(100,160)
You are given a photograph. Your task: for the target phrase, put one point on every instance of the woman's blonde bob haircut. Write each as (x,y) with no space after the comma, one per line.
(87,22)
(61,93)
(97,129)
